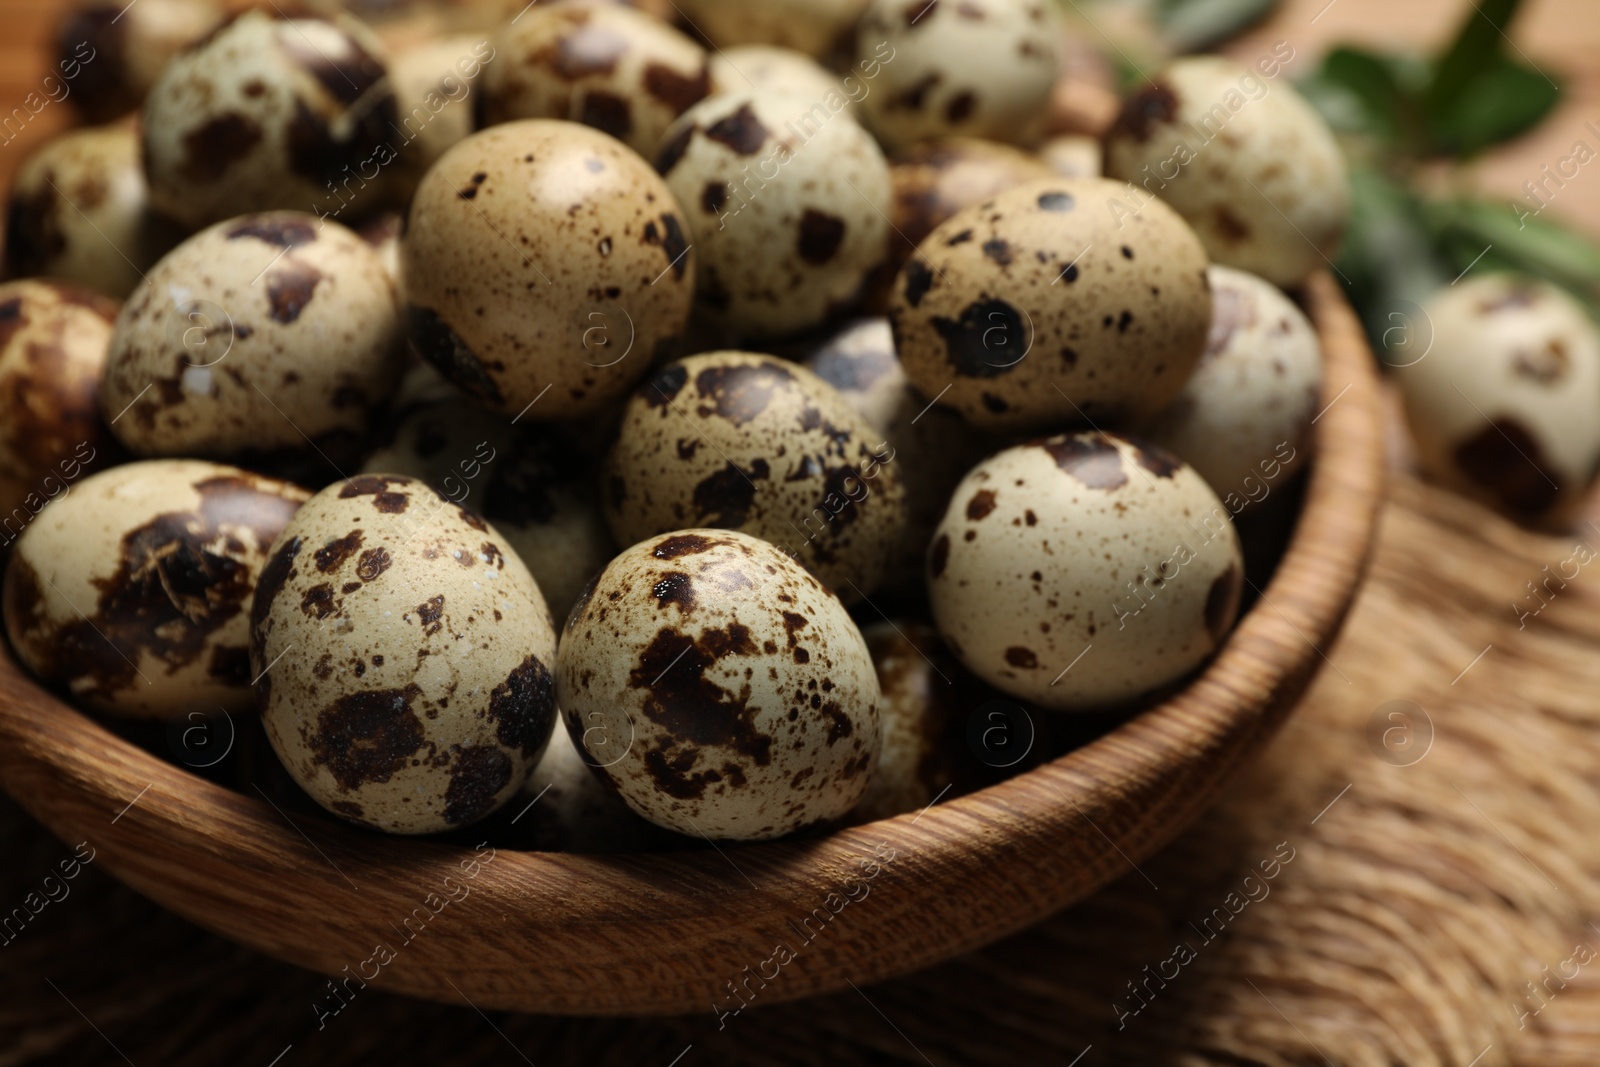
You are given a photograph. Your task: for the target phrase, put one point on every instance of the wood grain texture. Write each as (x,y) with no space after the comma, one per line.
(662,933)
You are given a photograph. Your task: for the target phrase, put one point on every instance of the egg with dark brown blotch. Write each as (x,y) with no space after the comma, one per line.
(132,592)
(111,52)
(269,113)
(1243,419)
(787,200)
(933,447)
(264,336)
(535,483)
(403,655)
(1250,164)
(720,688)
(931,749)
(545,266)
(1058,302)
(1503,400)
(79,211)
(610,67)
(53,343)
(979,68)
(754,443)
(814,27)
(436,83)
(1084,570)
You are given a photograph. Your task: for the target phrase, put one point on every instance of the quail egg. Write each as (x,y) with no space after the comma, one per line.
(720,688)
(435,87)
(111,52)
(132,591)
(931,748)
(787,202)
(815,27)
(269,114)
(267,334)
(1072,156)
(53,342)
(78,211)
(545,257)
(1084,570)
(568,808)
(979,68)
(1505,402)
(1056,302)
(533,482)
(403,657)
(1250,164)
(755,443)
(1246,413)
(770,68)
(612,68)
(933,448)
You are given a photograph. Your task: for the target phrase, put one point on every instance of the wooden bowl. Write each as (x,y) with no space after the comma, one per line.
(657,933)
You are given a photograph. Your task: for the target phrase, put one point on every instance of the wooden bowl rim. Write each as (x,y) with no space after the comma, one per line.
(660,932)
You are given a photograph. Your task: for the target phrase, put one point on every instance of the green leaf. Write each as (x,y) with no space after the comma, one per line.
(1503,99)
(1372,89)
(1192,25)
(1514,240)
(1477,43)
(1388,255)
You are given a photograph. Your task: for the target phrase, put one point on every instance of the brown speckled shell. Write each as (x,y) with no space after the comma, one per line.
(255,336)
(753,443)
(815,27)
(1084,570)
(788,200)
(403,655)
(270,114)
(133,591)
(612,68)
(1248,162)
(978,68)
(722,689)
(535,483)
(544,255)
(1058,302)
(111,52)
(79,211)
(53,343)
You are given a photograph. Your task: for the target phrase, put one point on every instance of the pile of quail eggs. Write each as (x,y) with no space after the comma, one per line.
(622,424)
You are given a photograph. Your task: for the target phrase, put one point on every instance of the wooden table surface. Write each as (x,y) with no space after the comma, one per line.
(1024,1000)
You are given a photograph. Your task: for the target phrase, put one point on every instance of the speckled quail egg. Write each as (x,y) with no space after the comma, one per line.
(1072,156)
(787,201)
(132,591)
(567,807)
(1084,570)
(267,334)
(533,482)
(720,688)
(1246,412)
(815,27)
(271,114)
(933,448)
(1250,165)
(79,211)
(403,654)
(929,702)
(1056,302)
(545,257)
(435,89)
(755,443)
(979,68)
(768,67)
(111,52)
(53,342)
(612,68)
(1505,402)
